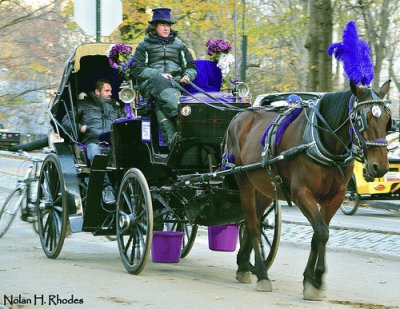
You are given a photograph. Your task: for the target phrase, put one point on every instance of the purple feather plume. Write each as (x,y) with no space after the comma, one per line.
(355,55)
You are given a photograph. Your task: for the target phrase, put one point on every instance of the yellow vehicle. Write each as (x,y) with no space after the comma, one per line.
(361,187)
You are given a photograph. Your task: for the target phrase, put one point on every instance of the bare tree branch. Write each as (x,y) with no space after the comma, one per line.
(12,96)
(28,16)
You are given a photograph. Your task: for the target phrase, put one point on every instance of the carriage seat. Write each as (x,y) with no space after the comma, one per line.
(209,77)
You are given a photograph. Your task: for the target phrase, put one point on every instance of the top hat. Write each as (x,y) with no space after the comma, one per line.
(161,15)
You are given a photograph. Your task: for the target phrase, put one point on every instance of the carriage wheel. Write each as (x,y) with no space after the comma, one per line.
(352,199)
(270,230)
(134,221)
(51,207)
(190,232)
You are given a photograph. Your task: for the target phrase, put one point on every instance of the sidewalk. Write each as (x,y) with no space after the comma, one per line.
(363,232)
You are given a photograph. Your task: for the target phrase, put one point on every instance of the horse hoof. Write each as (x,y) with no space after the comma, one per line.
(310,292)
(243,277)
(264,286)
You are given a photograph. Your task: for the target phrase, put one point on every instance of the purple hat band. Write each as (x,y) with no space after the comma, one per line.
(162,15)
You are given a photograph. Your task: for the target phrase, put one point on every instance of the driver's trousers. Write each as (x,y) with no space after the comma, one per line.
(167,98)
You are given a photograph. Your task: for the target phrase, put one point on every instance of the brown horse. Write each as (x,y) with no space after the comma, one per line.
(315,179)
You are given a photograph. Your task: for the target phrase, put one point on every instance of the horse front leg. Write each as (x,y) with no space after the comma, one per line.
(315,267)
(251,240)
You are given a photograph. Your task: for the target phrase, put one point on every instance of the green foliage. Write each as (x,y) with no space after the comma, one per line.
(37,67)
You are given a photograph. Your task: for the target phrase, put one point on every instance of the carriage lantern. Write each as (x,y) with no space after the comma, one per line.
(241,90)
(127,95)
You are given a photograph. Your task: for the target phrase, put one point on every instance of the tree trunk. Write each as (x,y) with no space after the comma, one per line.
(377,24)
(319,38)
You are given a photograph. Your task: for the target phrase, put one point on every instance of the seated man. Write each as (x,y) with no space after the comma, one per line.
(94,116)
(161,60)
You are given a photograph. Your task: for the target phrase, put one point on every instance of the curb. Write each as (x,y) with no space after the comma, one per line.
(345,228)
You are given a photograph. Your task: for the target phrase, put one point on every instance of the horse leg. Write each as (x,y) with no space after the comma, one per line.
(243,274)
(248,199)
(315,268)
(327,211)
(316,261)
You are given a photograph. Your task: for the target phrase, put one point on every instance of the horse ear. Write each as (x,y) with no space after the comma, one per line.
(353,87)
(384,89)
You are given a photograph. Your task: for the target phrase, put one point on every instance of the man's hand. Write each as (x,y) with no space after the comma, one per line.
(167,75)
(185,79)
(83,129)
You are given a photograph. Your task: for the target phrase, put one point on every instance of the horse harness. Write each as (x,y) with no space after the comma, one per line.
(358,122)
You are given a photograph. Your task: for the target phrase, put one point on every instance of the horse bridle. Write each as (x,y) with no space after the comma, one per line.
(358,112)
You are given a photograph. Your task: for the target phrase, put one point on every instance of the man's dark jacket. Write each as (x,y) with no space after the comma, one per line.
(154,56)
(97,115)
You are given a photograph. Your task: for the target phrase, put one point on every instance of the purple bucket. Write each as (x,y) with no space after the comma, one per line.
(166,246)
(223,237)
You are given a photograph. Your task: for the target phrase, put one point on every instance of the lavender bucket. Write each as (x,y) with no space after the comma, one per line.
(166,246)
(223,237)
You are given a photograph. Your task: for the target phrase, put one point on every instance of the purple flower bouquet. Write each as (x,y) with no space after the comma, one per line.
(216,47)
(120,58)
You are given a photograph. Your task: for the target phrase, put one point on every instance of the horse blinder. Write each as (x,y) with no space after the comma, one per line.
(358,118)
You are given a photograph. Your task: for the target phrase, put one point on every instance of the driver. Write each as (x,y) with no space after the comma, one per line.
(158,60)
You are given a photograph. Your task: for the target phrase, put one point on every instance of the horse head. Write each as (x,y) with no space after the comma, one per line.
(370,119)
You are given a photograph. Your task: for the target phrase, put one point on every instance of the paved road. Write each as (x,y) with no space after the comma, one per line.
(375,231)
(89,268)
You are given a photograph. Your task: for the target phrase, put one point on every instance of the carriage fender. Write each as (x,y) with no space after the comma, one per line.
(71,183)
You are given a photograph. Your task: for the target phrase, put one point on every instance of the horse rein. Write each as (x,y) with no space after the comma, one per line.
(358,121)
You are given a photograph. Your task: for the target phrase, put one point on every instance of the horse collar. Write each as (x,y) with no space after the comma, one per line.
(317,151)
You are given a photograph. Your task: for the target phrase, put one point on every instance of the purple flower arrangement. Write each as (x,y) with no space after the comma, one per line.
(216,47)
(120,58)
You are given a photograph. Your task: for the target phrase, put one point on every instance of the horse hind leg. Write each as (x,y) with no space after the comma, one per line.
(243,274)
(248,199)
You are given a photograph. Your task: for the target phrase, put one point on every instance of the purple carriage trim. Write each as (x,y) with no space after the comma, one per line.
(199,97)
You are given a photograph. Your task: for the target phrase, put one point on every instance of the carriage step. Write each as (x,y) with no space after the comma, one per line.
(76,223)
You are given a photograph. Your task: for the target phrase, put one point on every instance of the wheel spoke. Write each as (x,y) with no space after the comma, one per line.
(128,243)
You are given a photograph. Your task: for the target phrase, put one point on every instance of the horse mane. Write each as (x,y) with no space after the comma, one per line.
(334,107)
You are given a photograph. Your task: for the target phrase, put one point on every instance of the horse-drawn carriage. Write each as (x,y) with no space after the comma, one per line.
(303,154)
(155,190)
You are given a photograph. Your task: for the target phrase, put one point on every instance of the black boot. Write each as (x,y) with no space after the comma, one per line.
(168,127)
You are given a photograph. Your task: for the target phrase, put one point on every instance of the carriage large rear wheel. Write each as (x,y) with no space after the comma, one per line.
(270,233)
(134,221)
(51,207)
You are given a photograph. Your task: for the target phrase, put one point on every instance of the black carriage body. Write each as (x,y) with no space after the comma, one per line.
(198,150)
(145,173)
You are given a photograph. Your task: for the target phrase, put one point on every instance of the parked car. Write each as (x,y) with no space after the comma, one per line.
(8,139)
(281,98)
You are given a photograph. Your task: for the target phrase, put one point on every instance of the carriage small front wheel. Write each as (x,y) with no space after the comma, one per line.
(134,220)
(51,207)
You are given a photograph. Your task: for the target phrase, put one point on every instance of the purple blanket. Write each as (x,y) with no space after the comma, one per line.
(282,127)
